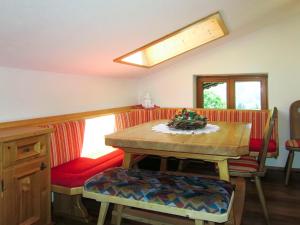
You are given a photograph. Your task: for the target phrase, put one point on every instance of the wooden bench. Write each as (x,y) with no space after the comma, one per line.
(69,171)
(197,198)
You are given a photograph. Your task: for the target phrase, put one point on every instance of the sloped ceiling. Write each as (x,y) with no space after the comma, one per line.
(84,36)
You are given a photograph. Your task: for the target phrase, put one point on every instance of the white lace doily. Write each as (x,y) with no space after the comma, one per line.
(163,128)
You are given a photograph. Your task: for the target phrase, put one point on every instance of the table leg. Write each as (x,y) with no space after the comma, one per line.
(223,170)
(127,160)
(163,164)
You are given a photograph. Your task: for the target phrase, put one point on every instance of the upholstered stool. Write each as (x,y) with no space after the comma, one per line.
(198,198)
(293,144)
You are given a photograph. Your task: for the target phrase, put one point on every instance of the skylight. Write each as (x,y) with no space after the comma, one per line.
(194,35)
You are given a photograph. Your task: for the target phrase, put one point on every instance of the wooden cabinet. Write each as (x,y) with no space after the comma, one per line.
(24,176)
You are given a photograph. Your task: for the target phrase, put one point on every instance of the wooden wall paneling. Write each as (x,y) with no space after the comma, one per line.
(63,118)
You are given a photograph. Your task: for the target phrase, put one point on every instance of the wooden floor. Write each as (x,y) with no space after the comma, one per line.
(283,202)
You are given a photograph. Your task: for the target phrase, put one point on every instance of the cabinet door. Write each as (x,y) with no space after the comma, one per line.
(24,193)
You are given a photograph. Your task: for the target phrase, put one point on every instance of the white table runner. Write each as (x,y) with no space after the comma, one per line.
(163,128)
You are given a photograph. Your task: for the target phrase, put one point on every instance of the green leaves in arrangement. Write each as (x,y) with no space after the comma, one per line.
(188,120)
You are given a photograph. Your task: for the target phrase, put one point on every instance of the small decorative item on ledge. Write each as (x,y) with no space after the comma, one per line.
(188,120)
(147,101)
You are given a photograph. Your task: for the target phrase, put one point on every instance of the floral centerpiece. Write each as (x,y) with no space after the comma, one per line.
(187,120)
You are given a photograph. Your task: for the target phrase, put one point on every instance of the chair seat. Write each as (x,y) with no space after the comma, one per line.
(188,192)
(77,171)
(293,143)
(245,164)
(255,145)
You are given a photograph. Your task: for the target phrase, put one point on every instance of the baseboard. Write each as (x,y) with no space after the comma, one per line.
(277,168)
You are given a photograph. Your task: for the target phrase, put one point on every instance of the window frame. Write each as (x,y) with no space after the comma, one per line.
(230,83)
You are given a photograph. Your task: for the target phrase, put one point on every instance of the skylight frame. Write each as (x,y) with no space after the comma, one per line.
(215,16)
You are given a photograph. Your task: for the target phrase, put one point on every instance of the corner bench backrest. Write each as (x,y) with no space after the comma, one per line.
(66,141)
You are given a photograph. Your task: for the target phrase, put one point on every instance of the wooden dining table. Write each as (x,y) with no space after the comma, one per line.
(230,141)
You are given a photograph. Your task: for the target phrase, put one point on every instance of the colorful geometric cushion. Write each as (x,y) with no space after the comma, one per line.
(189,192)
(245,164)
(293,143)
(77,171)
(255,145)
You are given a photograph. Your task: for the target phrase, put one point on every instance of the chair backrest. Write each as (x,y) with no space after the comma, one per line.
(295,120)
(266,139)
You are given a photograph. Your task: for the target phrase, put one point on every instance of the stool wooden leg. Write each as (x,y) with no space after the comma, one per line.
(262,198)
(289,166)
(102,213)
(119,215)
(199,222)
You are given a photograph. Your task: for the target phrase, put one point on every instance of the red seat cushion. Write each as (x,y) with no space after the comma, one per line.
(293,143)
(255,145)
(245,164)
(74,173)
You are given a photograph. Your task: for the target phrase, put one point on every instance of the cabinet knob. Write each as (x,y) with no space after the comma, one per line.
(43,166)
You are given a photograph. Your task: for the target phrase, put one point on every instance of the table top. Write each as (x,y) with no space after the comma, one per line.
(232,139)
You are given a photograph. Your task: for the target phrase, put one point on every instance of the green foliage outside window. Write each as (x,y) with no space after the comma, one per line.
(213,101)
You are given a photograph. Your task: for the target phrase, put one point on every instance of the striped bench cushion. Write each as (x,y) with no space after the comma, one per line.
(245,164)
(66,141)
(189,192)
(292,143)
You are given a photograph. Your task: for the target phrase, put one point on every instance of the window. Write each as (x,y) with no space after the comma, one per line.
(95,130)
(198,33)
(232,92)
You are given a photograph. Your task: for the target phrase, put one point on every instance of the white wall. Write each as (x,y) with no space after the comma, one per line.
(29,94)
(273,49)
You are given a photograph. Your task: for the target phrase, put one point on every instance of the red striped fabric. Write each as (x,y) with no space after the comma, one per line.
(245,164)
(293,143)
(134,117)
(66,141)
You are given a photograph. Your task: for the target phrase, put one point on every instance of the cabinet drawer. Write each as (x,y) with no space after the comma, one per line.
(23,149)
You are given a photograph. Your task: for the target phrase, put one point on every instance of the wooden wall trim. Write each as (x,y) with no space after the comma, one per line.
(63,118)
(76,116)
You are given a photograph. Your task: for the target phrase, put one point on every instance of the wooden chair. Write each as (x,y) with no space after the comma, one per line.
(293,144)
(249,166)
